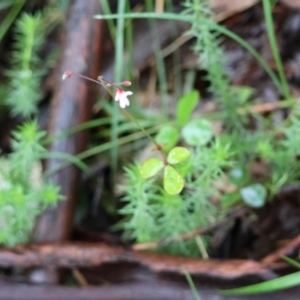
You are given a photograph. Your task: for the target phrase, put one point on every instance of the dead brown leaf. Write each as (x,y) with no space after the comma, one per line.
(291,3)
(224,9)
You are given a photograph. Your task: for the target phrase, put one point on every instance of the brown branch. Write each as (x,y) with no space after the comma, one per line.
(287,249)
(264,107)
(188,235)
(70,106)
(76,255)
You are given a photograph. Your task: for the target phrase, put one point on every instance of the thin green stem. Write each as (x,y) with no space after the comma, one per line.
(104,147)
(72,159)
(274,47)
(80,127)
(160,64)
(253,52)
(157,147)
(217,27)
(129,115)
(119,50)
(30,43)
(102,81)
(191,284)
(176,57)
(129,46)
(11,17)
(149,15)
(111,26)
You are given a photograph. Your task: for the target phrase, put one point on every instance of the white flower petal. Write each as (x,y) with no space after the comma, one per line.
(121,96)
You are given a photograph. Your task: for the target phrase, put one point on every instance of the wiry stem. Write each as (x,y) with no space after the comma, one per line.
(105,83)
(157,146)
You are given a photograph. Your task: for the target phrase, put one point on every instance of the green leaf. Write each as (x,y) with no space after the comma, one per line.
(276,284)
(239,176)
(197,132)
(230,199)
(173,181)
(291,261)
(185,107)
(167,137)
(151,167)
(254,195)
(178,154)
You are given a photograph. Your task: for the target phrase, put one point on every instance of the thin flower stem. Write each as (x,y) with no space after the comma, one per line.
(100,80)
(157,146)
(141,127)
(85,77)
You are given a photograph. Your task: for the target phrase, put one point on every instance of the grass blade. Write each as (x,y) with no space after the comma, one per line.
(276,284)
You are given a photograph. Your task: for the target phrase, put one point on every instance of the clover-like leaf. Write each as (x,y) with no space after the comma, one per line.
(197,132)
(173,181)
(178,154)
(151,167)
(185,106)
(167,137)
(254,195)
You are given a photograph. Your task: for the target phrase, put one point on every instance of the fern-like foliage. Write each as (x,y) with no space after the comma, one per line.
(26,73)
(26,146)
(23,194)
(212,59)
(139,214)
(282,154)
(152,214)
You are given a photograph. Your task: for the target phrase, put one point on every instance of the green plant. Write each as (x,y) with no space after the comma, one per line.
(173,181)
(153,217)
(267,6)
(26,74)
(16,7)
(152,212)
(284,282)
(191,18)
(192,285)
(24,77)
(23,194)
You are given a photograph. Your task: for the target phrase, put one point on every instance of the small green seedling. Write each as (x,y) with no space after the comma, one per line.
(173,182)
(254,195)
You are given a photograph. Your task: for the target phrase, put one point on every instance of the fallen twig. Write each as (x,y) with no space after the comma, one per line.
(76,255)
(188,235)
(287,249)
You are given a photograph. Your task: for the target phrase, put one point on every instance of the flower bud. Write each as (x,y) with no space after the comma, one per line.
(126,83)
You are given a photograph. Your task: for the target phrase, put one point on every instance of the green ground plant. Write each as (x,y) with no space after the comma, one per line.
(168,214)
(151,213)
(277,284)
(23,194)
(23,191)
(192,158)
(27,69)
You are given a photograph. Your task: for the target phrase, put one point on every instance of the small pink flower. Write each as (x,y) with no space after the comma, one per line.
(121,96)
(67,74)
